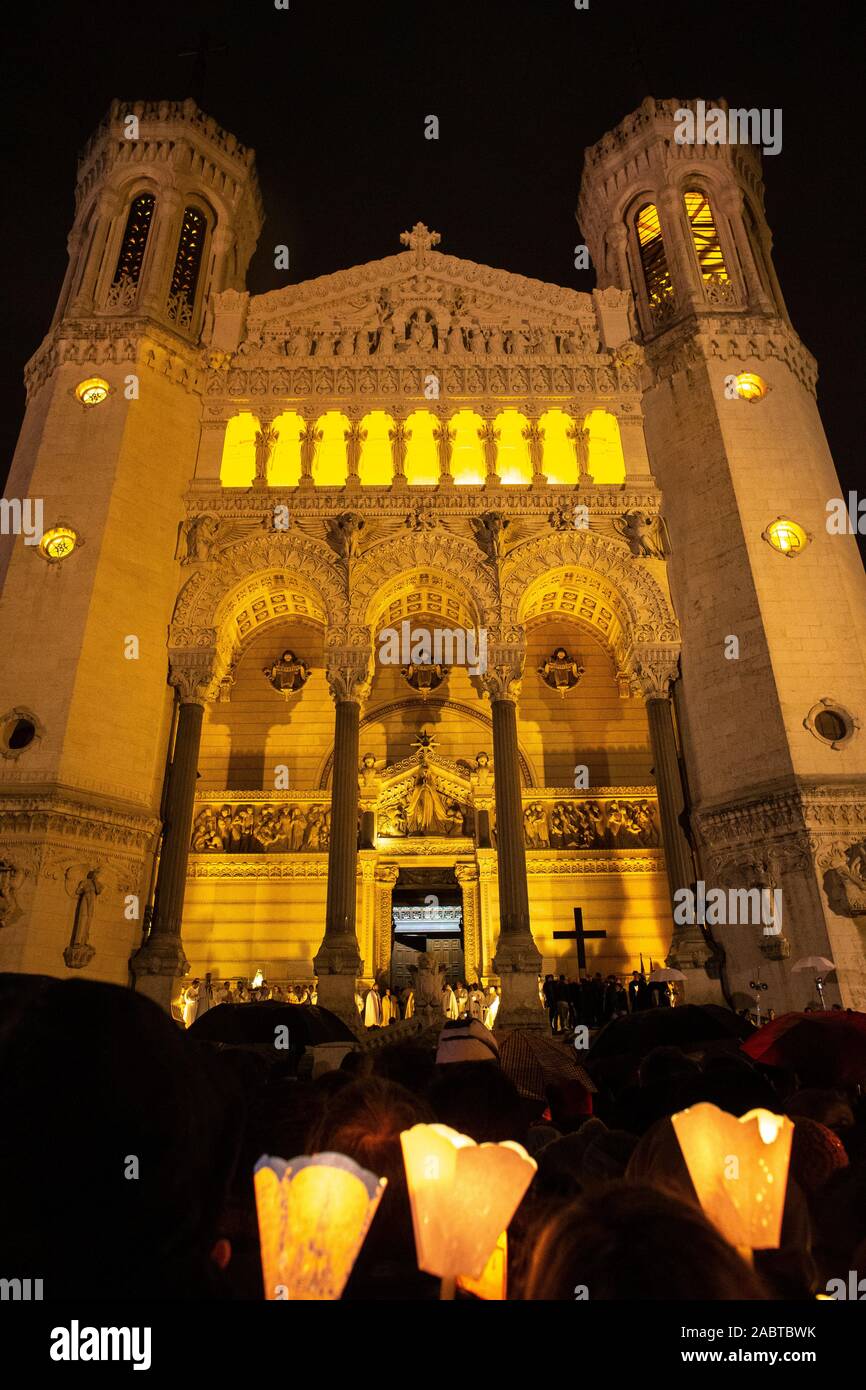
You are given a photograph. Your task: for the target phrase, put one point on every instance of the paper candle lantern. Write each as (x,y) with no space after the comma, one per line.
(463,1196)
(493,1283)
(739,1169)
(313,1215)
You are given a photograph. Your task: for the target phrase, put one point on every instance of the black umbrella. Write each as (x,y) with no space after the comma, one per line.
(307,1024)
(689,1026)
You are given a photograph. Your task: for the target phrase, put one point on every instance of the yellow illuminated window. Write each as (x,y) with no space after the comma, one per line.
(284,469)
(653,257)
(238,466)
(467,455)
(330,467)
(786,536)
(705,238)
(374,467)
(512,456)
(93,391)
(57,543)
(422,458)
(606,459)
(560,459)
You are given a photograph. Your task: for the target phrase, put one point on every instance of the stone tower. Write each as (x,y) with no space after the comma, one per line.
(771,601)
(167,215)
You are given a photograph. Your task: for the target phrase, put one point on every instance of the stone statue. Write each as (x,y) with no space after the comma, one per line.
(490,529)
(265,443)
(11,878)
(560,671)
(345,535)
(427,985)
(421,519)
(198,536)
(426,813)
(644,534)
(79,952)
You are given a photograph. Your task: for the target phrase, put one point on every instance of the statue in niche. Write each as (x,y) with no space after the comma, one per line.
(644,534)
(580,435)
(79,952)
(481,776)
(197,539)
(560,671)
(426,813)
(11,878)
(369,772)
(287,675)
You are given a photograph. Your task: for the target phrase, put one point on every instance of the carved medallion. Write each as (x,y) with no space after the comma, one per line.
(560,671)
(287,675)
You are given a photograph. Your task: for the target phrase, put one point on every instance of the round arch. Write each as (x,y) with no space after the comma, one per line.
(433,562)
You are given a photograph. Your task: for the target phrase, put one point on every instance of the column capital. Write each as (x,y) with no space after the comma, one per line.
(387,874)
(349,674)
(466,873)
(194,676)
(653,671)
(504,672)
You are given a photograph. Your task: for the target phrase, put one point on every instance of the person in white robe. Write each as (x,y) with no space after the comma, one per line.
(359,1003)
(314,994)
(462,995)
(449,1002)
(492,1008)
(373,1009)
(408,1003)
(291,997)
(476,1003)
(189,1003)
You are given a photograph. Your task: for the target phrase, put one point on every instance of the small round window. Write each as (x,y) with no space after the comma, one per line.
(18,730)
(831,723)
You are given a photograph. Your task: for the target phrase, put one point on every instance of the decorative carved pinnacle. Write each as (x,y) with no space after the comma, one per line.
(420,239)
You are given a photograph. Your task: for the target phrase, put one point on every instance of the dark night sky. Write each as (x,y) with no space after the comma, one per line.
(333,98)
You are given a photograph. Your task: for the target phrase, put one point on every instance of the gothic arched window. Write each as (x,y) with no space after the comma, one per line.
(187,264)
(132,248)
(654,261)
(705,237)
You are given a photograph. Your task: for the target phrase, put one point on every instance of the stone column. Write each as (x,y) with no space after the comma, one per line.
(444,436)
(489,437)
(386,877)
(338,960)
(161,252)
(399,437)
(688,951)
(108,206)
(161,959)
(517,960)
(534,436)
(467,876)
(486,860)
(354,437)
(730,202)
(310,438)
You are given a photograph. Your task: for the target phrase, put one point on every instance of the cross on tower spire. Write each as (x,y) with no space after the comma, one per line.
(420,239)
(204,49)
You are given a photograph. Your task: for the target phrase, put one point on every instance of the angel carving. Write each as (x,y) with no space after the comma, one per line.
(645,535)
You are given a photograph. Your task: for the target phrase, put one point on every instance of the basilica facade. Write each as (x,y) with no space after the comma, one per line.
(426,605)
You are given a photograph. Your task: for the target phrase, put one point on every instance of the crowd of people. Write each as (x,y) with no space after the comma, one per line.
(202,994)
(381,1005)
(593,1000)
(126,1165)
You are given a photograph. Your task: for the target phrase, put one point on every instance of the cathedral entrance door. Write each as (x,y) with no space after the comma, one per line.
(427,916)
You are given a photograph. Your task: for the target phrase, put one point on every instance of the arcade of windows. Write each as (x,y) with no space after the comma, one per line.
(187,262)
(653,257)
(562,441)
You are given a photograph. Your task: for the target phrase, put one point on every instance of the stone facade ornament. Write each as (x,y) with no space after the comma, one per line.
(645,535)
(344,535)
(87,888)
(11,879)
(424,677)
(198,537)
(265,443)
(287,675)
(490,530)
(560,672)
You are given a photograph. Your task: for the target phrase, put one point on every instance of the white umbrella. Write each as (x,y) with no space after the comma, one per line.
(660,975)
(813,963)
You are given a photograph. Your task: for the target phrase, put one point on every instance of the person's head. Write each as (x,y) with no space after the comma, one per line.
(114,1173)
(478,1099)
(665,1064)
(614,1244)
(364,1121)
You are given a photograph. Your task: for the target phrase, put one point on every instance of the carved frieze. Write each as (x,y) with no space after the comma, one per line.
(594,823)
(257,827)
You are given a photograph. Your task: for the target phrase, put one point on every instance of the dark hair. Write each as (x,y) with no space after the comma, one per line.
(634,1242)
(117,1148)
